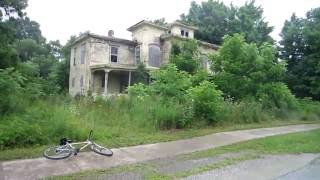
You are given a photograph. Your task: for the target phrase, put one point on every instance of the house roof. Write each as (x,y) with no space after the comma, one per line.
(182,24)
(202,43)
(106,38)
(145,22)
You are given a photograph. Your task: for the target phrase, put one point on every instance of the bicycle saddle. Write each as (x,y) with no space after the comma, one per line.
(64,141)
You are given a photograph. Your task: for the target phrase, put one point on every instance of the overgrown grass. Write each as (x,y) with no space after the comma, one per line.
(116,123)
(302,142)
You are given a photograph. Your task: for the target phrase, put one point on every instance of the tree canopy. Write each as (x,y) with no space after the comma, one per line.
(300,48)
(215,20)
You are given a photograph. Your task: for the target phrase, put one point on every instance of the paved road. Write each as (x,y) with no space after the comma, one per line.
(279,167)
(41,167)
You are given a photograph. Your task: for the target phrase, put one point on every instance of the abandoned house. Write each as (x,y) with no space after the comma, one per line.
(103,65)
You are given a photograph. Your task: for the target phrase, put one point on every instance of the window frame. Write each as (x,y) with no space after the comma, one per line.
(112,54)
(137,55)
(83,53)
(74,56)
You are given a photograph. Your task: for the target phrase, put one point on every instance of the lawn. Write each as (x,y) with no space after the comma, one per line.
(302,142)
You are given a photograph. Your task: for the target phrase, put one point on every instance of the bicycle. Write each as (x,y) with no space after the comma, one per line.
(66,148)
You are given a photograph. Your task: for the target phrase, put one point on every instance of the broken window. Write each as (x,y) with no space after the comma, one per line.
(137,54)
(114,54)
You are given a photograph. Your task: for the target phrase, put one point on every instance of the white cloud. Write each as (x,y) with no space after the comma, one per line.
(59,19)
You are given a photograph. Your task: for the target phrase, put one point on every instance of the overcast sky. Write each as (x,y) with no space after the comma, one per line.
(59,19)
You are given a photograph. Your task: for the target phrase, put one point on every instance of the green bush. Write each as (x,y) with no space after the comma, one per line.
(138,89)
(170,82)
(11,91)
(207,101)
(243,112)
(276,95)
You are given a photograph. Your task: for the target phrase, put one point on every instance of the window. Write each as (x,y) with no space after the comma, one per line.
(169,32)
(137,54)
(74,56)
(73,82)
(182,32)
(81,81)
(154,55)
(83,53)
(187,34)
(114,54)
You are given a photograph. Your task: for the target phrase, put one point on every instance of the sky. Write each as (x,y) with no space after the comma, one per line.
(59,19)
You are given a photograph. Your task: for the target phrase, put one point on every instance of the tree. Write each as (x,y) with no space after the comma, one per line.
(8,55)
(211,18)
(161,22)
(242,69)
(11,7)
(300,47)
(24,28)
(185,55)
(215,20)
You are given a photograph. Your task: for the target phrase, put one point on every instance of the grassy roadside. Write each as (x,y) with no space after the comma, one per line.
(146,138)
(302,142)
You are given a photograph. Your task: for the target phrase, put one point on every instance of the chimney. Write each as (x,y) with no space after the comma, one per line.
(110,33)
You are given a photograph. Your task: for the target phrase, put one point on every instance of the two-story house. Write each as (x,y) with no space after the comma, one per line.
(104,65)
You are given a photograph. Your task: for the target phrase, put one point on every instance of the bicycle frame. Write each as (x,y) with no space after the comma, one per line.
(86,143)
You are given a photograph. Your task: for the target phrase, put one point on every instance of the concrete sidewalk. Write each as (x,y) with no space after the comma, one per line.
(41,167)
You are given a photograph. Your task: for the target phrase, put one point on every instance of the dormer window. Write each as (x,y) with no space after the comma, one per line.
(184,33)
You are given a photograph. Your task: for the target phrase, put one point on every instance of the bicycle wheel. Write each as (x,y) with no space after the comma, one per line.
(57,152)
(101,150)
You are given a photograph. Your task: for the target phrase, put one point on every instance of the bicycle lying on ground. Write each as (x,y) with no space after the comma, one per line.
(66,148)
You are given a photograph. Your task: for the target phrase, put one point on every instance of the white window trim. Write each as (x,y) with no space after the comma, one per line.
(110,54)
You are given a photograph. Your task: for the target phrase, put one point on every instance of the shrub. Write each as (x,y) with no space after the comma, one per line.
(276,95)
(10,91)
(185,56)
(170,82)
(243,112)
(207,101)
(138,90)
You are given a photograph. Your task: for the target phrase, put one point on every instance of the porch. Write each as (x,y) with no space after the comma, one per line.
(110,81)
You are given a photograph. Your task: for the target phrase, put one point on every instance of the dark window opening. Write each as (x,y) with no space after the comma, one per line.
(114,54)
(182,32)
(187,34)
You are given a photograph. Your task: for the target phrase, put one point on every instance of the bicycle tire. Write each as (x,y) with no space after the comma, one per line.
(56,156)
(101,150)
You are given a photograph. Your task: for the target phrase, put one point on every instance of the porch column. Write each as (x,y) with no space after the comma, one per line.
(106,74)
(129,83)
